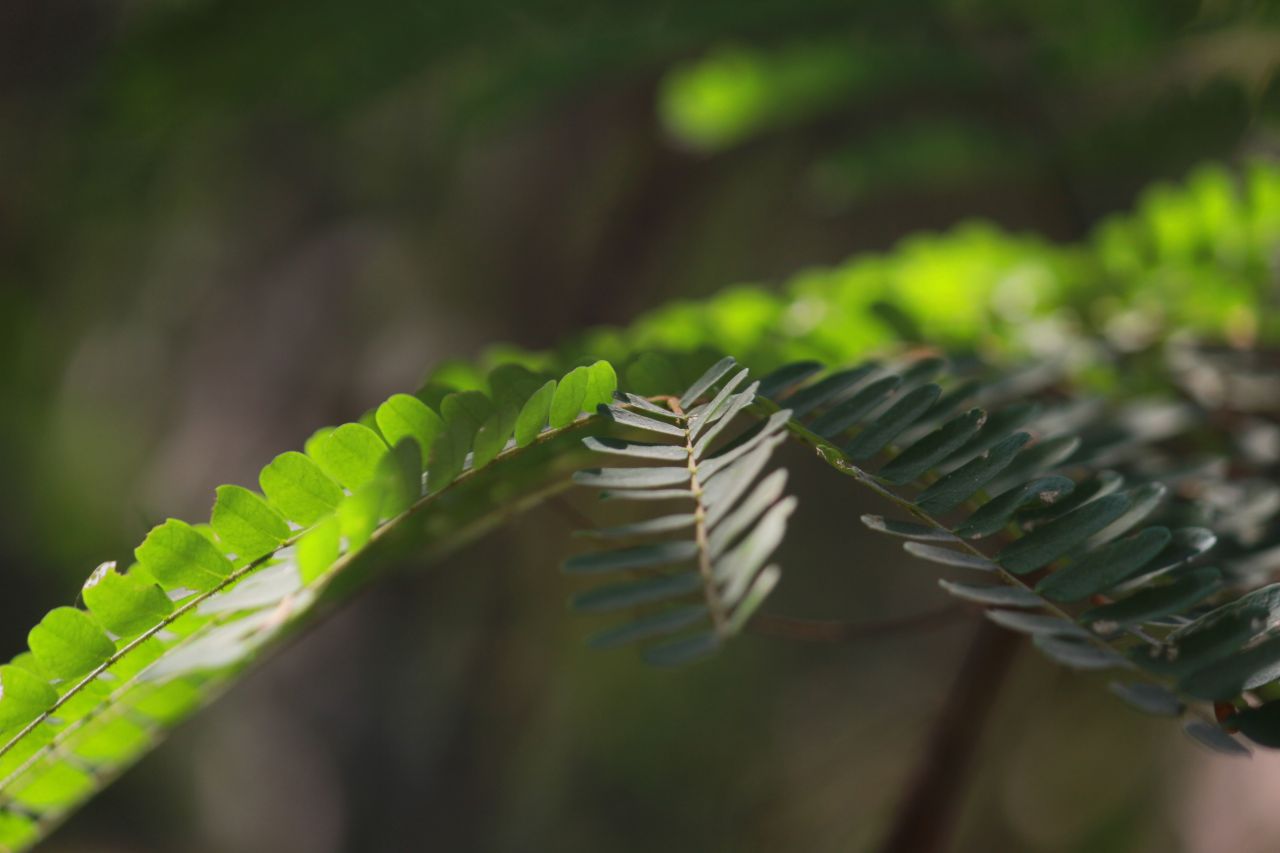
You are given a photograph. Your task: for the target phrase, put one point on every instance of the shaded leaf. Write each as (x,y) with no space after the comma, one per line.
(1036,623)
(682,651)
(654,625)
(909,529)
(779,382)
(992,594)
(962,483)
(933,448)
(1103,568)
(1155,602)
(1046,544)
(884,429)
(1148,698)
(1215,738)
(637,557)
(839,418)
(533,414)
(632,593)
(1078,655)
(661,524)
(993,515)
(948,556)
(828,389)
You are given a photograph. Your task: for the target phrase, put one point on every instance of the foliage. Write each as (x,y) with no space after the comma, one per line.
(1085,517)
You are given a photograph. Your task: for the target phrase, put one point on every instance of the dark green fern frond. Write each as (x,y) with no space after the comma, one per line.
(997,492)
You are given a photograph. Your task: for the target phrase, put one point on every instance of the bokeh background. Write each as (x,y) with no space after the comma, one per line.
(225,223)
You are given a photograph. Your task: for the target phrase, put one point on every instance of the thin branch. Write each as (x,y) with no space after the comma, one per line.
(927,811)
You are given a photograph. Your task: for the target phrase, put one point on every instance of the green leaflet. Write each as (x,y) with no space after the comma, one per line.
(654,625)
(1102,569)
(632,593)
(318,548)
(493,434)
(993,515)
(829,389)
(349,454)
(569,397)
(124,604)
(295,485)
(449,454)
(637,557)
(884,429)
(1155,602)
(177,556)
(467,411)
(68,643)
(1077,655)
(933,448)
(602,382)
(23,696)
(1046,544)
(776,385)
(513,384)
(1243,670)
(533,414)
(852,411)
(246,523)
(405,416)
(962,483)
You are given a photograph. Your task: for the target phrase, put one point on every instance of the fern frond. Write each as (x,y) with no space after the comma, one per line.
(725,530)
(102,684)
(987,492)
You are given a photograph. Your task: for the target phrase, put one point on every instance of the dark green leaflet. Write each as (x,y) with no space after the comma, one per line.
(884,429)
(962,483)
(1103,568)
(1046,544)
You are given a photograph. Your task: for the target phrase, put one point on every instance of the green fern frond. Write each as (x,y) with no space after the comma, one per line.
(102,684)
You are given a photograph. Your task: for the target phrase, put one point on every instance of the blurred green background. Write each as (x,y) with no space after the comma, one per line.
(224,224)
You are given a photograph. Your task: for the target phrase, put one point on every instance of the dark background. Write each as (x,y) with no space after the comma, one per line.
(224,224)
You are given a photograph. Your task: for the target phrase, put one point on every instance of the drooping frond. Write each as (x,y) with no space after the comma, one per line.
(1100,575)
(701,570)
